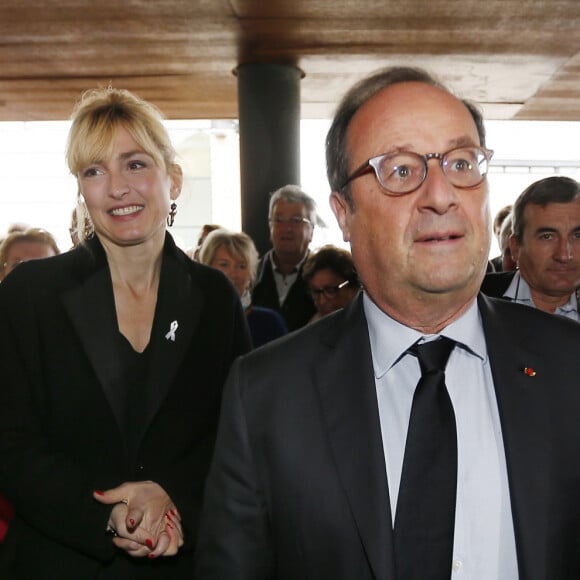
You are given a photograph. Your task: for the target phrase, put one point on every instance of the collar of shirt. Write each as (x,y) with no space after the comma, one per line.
(285,282)
(296,267)
(519,291)
(390,339)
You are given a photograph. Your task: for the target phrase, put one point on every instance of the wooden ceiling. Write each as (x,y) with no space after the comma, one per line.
(519,58)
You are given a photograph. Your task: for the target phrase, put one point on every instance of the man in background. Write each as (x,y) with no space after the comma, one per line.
(496,264)
(545,243)
(279,285)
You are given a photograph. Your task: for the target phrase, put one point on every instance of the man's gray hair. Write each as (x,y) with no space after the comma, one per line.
(294,194)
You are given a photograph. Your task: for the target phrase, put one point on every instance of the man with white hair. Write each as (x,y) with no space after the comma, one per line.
(279,285)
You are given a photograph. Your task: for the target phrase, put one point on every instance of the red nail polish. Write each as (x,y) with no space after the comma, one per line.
(99,492)
(151,556)
(169,525)
(172,513)
(132,522)
(149,543)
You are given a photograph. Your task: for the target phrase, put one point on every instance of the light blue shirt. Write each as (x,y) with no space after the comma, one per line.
(484,543)
(519,291)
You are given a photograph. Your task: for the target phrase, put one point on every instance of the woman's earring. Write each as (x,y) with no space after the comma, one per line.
(83,226)
(88,229)
(172,212)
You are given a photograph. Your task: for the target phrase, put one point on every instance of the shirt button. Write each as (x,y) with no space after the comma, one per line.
(457,565)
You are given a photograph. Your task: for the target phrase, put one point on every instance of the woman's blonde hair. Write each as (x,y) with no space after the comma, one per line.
(97,117)
(237,244)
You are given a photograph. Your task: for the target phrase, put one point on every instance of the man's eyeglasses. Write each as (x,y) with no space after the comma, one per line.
(328,291)
(293,221)
(404,172)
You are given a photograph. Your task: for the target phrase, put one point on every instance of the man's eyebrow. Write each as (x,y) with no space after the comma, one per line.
(546,230)
(463,141)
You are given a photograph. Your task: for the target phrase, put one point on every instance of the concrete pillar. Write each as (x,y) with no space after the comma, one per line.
(269,117)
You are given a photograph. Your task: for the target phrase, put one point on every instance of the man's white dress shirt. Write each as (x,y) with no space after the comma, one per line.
(484,543)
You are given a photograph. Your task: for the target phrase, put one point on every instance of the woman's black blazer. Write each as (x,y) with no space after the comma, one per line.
(59,413)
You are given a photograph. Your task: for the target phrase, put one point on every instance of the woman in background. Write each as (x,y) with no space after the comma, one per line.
(21,246)
(331,278)
(206,229)
(113,358)
(236,256)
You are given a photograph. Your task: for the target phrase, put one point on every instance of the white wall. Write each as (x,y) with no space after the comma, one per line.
(35,186)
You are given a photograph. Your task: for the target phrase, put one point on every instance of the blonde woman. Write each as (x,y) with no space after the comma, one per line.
(235,254)
(113,358)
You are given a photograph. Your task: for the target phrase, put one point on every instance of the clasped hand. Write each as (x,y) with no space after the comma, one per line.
(144,518)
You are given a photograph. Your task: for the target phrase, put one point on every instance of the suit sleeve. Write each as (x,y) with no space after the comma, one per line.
(234,542)
(50,493)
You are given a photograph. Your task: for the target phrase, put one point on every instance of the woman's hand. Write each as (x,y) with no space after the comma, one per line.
(144,518)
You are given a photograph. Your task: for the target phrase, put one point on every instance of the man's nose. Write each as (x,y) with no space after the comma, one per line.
(438,192)
(564,250)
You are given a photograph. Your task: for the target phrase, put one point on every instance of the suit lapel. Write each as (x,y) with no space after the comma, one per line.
(348,397)
(521,402)
(91,308)
(179,306)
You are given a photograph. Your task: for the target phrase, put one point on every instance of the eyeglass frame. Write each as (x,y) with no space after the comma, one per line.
(373,164)
(293,221)
(328,291)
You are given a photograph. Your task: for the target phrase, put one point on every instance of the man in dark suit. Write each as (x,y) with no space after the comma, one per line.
(279,284)
(311,463)
(545,243)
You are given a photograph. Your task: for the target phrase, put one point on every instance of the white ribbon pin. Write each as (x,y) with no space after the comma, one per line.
(171,334)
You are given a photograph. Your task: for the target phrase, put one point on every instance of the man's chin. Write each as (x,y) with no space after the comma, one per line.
(561,292)
(445,282)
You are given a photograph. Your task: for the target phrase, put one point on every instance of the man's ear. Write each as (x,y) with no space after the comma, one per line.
(311,233)
(176,175)
(514,248)
(342,212)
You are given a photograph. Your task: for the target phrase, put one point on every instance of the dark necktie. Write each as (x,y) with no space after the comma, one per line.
(425,516)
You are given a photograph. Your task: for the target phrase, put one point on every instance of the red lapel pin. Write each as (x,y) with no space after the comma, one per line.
(529,371)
